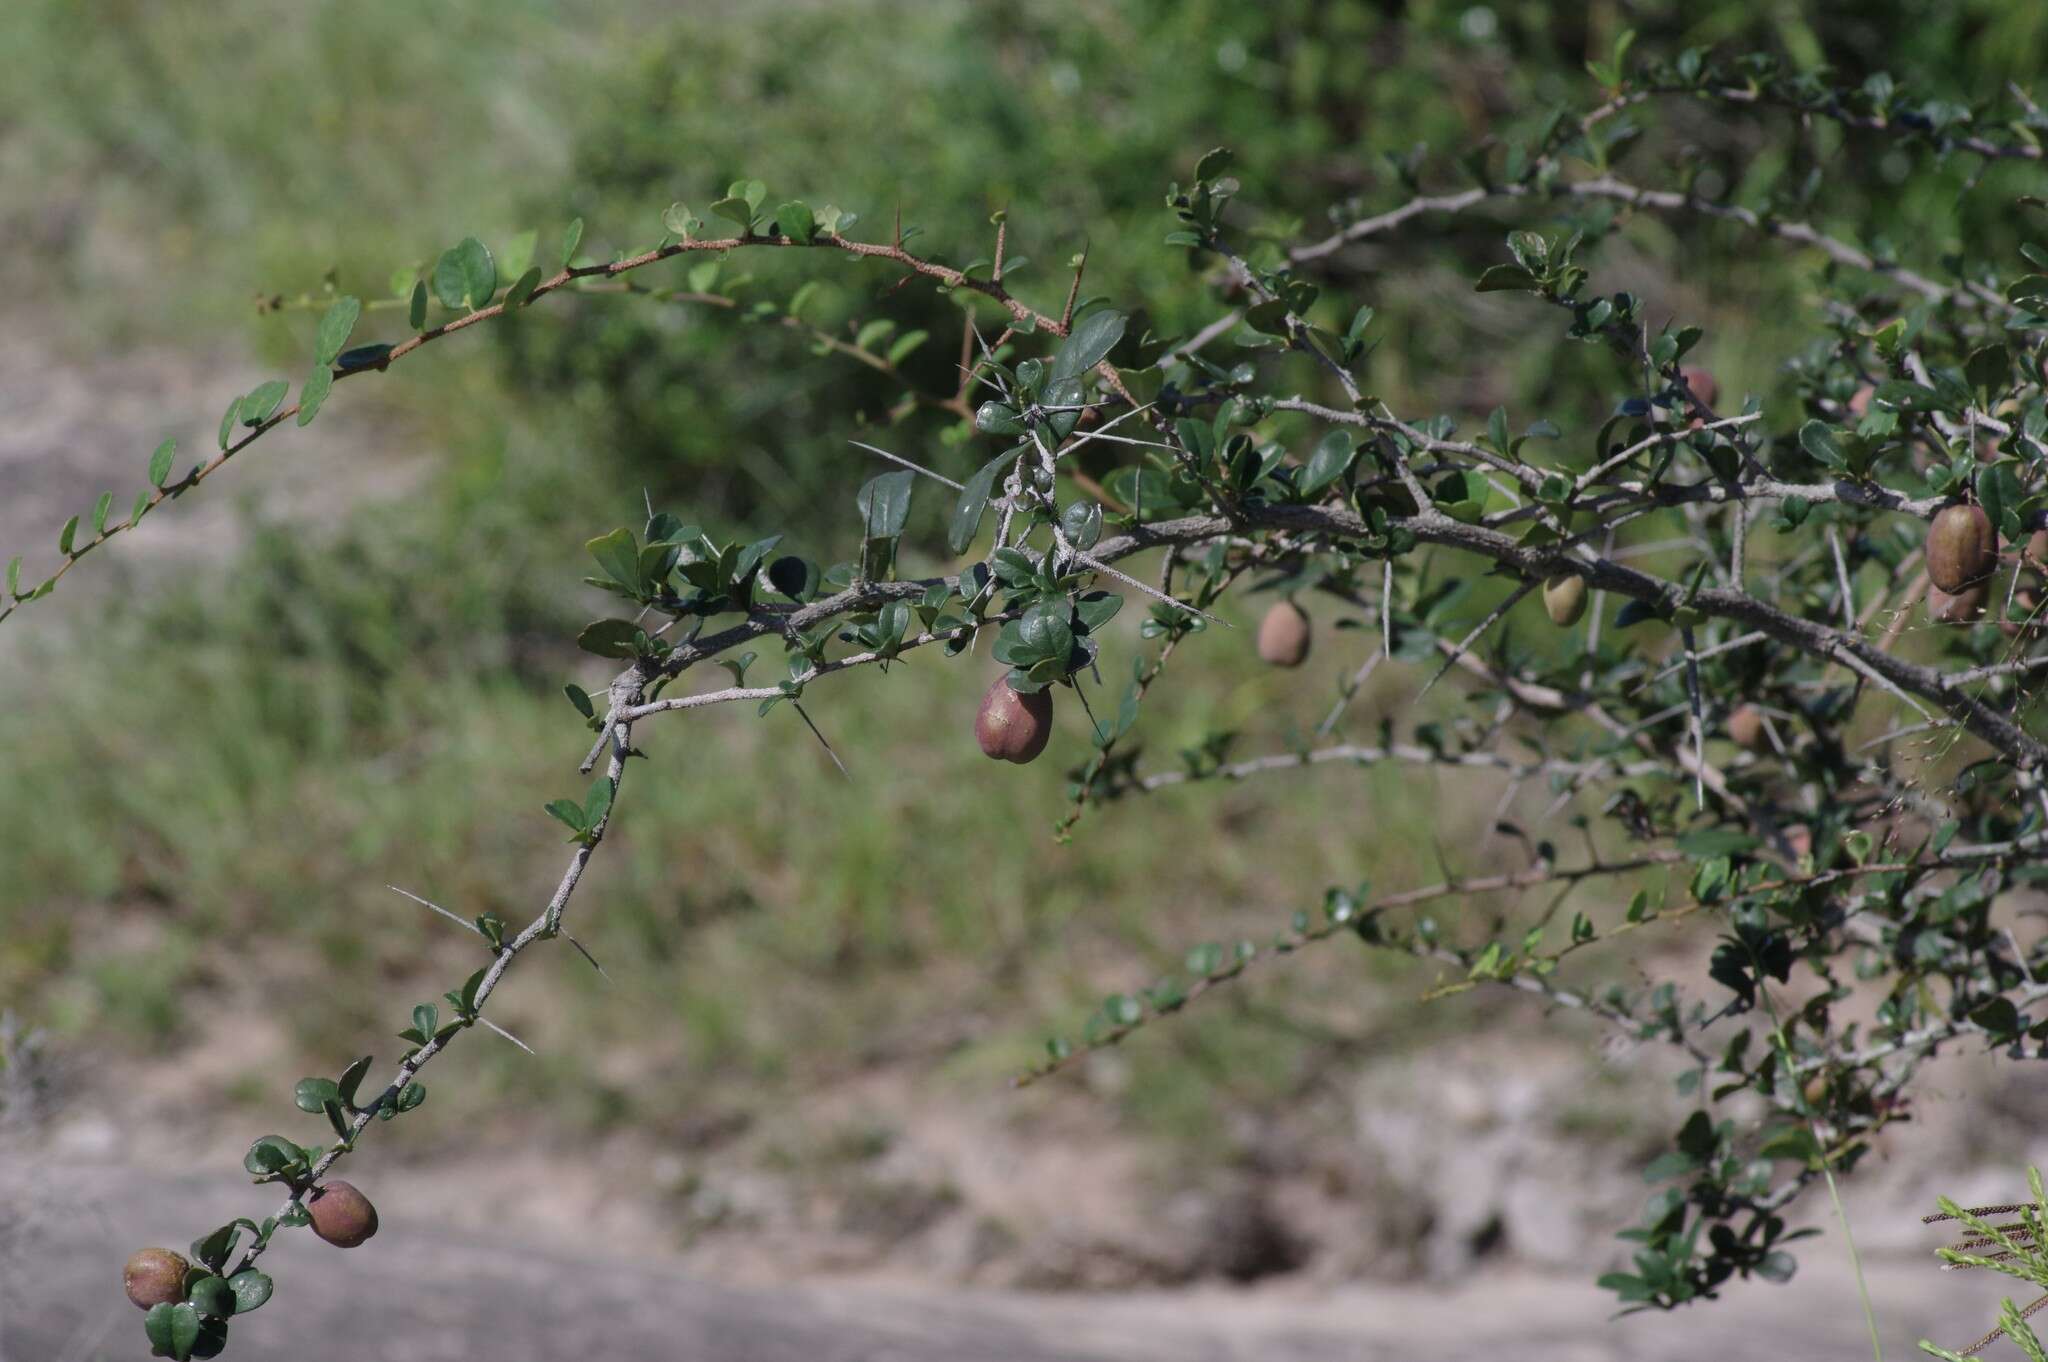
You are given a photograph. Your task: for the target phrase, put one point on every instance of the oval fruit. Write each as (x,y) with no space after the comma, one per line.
(1703,385)
(155,1276)
(1960,608)
(1284,635)
(341,1215)
(1746,727)
(2036,551)
(1564,599)
(1962,548)
(1013,727)
(1859,401)
(1799,837)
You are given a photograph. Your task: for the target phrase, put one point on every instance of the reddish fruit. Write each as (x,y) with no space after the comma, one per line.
(341,1215)
(1987,451)
(1799,838)
(1746,727)
(1961,608)
(1703,385)
(1013,727)
(1962,548)
(1564,599)
(1859,401)
(1284,635)
(155,1276)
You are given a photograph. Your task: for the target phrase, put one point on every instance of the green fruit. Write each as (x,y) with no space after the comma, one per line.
(341,1215)
(1284,635)
(1564,599)
(1013,727)
(155,1276)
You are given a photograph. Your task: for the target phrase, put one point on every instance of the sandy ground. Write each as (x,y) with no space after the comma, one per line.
(425,1293)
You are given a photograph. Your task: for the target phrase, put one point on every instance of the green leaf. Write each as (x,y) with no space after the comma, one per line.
(1818,440)
(479,272)
(228,419)
(521,292)
(99,513)
(1331,460)
(313,395)
(736,210)
(906,345)
(597,803)
(967,511)
(352,1079)
(1214,163)
(572,237)
(173,1330)
(678,219)
(261,404)
(609,638)
(140,509)
(1716,842)
(1093,336)
(416,310)
(618,553)
(571,814)
(336,325)
(251,1288)
(796,221)
(160,462)
(272,1153)
(212,1295)
(884,504)
(1097,608)
(311,1094)
(1501,278)
(66,535)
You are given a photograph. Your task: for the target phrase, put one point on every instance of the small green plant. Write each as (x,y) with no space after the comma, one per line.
(2012,1248)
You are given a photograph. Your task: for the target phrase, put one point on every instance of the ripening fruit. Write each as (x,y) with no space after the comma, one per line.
(1746,727)
(1284,635)
(1013,727)
(1859,401)
(2022,615)
(1816,1089)
(1564,599)
(1961,608)
(1987,451)
(2036,551)
(1799,838)
(341,1215)
(1962,548)
(1703,385)
(155,1276)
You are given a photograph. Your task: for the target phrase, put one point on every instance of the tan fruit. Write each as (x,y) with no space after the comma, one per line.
(1703,385)
(1564,599)
(1961,608)
(1799,837)
(155,1276)
(1859,401)
(1962,548)
(1012,727)
(1746,727)
(1816,1089)
(2022,615)
(341,1215)
(1284,635)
